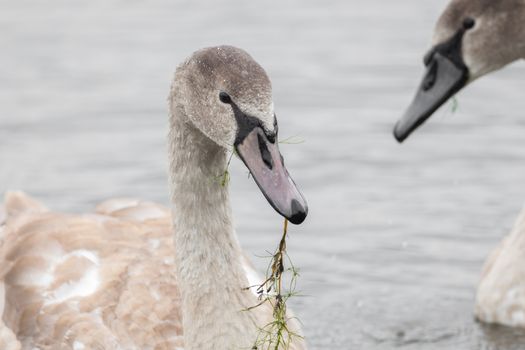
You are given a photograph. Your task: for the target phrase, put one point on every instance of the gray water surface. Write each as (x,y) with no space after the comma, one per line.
(397,234)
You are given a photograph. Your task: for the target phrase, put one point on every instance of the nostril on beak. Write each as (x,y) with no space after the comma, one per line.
(265,153)
(430,78)
(298,212)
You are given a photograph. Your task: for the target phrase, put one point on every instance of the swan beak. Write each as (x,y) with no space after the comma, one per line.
(443,78)
(266,165)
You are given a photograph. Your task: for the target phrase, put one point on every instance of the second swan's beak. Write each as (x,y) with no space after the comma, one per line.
(266,165)
(443,79)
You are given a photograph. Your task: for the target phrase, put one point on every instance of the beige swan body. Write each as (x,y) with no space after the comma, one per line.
(134,276)
(473,38)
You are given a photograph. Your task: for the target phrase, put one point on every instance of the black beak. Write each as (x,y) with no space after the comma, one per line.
(446,74)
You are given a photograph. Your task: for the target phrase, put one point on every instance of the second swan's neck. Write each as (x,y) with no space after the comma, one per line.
(210,274)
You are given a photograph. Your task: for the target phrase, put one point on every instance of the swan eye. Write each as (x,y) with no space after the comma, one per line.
(224,97)
(468,23)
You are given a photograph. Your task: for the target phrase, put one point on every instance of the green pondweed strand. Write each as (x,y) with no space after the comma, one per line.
(292,140)
(277,335)
(455,104)
(224,178)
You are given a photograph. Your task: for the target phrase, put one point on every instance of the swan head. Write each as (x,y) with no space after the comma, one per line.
(227,96)
(472,38)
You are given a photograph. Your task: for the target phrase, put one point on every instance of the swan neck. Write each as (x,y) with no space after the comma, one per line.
(210,273)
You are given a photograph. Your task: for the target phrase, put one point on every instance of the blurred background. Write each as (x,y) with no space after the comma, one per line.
(397,234)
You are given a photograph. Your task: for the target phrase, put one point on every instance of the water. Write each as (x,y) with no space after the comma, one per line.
(391,252)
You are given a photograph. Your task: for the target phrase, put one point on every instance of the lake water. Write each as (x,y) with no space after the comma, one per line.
(391,251)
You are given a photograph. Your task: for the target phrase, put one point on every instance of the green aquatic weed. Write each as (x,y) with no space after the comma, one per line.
(224,178)
(277,335)
(292,140)
(455,104)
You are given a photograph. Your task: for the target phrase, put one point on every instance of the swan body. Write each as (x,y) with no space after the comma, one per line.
(500,296)
(104,280)
(132,275)
(473,38)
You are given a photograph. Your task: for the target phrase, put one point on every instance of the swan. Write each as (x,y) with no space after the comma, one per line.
(135,275)
(473,38)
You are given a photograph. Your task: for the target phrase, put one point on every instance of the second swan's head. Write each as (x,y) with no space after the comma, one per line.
(227,96)
(472,38)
